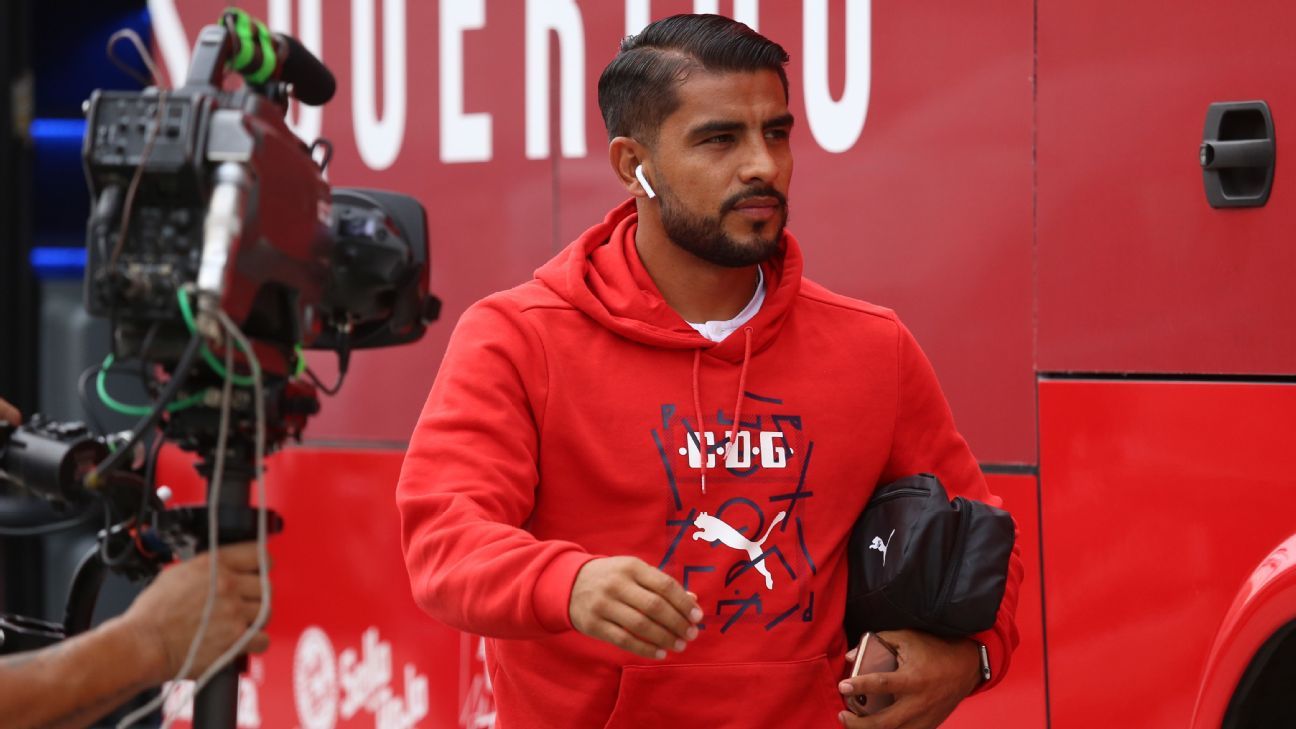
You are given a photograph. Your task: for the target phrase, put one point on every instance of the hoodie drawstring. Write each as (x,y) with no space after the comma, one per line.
(731,440)
(697,413)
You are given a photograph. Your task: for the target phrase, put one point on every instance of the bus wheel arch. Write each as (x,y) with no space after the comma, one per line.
(1264,698)
(1254,650)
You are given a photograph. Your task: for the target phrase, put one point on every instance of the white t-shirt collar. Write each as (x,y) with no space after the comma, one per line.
(717,330)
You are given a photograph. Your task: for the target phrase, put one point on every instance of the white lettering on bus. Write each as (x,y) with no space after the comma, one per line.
(171,40)
(638,13)
(836,125)
(464,137)
(563,18)
(748,13)
(309,119)
(378,140)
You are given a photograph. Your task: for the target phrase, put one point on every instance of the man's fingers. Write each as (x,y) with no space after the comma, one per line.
(852,721)
(247,611)
(673,592)
(247,585)
(890,682)
(241,557)
(903,714)
(259,643)
(662,612)
(627,602)
(895,716)
(644,627)
(624,640)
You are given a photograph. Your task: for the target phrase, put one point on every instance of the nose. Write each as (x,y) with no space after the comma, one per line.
(760,164)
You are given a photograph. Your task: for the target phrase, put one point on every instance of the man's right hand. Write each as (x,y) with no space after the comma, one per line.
(633,606)
(166,615)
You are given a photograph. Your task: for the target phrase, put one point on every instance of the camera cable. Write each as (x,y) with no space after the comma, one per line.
(263,612)
(96,477)
(263,557)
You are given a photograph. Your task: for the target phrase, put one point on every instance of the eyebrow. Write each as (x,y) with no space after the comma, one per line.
(785,120)
(720,126)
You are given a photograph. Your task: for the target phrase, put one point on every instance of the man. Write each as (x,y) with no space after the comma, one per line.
(73,683)
(662,441)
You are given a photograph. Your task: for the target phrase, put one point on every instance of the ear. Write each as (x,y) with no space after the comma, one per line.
(626,155)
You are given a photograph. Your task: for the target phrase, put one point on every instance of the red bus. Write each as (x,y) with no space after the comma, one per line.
(1021,180)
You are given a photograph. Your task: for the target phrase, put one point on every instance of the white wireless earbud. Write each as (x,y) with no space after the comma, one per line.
(639,175)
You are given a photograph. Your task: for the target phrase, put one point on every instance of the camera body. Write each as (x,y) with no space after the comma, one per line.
(207,189)
(212,224)
(283,211)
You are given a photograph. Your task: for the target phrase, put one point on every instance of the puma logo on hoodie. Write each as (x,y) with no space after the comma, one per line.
(713,529)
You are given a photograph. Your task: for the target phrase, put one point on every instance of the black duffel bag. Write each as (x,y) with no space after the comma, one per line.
(920,561)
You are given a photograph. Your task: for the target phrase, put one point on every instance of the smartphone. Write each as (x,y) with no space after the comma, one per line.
(874,655)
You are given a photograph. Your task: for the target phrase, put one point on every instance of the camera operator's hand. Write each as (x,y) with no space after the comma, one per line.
(70,684)
(634,606)
(9,413)
(166,615)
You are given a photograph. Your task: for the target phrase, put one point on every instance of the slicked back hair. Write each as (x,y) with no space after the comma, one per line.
(639,88)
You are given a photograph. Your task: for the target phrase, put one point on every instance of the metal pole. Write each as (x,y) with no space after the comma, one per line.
(216,705)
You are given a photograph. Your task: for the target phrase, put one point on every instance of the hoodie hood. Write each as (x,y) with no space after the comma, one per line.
(601,275)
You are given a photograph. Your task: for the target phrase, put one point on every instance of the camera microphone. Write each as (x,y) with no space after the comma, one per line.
(261,56)
(312,82)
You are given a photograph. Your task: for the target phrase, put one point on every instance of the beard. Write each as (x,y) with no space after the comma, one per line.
(706,238)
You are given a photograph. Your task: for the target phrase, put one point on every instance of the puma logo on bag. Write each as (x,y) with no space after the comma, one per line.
(882,546)
(712,529)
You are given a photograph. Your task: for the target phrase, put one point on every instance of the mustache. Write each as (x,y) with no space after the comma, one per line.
(739,197)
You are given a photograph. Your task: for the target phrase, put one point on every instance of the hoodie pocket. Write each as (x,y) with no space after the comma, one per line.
(723,695)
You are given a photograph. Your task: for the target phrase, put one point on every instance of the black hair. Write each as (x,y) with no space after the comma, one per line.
(637,90)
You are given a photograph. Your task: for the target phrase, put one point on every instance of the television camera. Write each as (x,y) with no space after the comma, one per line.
(219,253)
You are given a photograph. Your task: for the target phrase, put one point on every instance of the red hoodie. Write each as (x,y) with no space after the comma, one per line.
(560,429)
